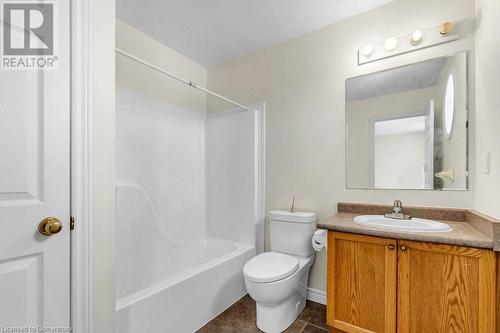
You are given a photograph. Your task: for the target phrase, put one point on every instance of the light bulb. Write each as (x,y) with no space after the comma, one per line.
(391,43)
(446,28)
(416,37)
(368,50)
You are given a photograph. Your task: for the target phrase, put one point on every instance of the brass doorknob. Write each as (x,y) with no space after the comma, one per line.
(49,226)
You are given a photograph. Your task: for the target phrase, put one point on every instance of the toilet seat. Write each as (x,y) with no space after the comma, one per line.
(270,266)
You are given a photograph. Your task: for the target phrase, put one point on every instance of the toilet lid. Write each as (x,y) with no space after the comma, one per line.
(270,266)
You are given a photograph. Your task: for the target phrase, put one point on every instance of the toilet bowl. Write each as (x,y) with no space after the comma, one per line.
(277,280)
(278,284)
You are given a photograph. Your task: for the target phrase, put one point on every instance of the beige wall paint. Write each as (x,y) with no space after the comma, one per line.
(135,76)
(302,83)
(487,115)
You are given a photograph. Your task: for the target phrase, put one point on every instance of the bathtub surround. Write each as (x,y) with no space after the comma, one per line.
(168,242)
(160,157)
(234,207)
(302,82)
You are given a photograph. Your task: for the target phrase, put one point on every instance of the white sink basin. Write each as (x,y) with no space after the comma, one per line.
(413,225)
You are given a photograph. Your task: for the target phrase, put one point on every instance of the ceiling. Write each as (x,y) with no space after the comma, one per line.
(216,31)
(412,77)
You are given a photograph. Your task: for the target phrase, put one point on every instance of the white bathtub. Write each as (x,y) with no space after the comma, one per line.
(187,300)
(170,285)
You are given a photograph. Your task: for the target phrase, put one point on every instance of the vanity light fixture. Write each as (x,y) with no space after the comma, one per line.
(416,37)
(368,50)
(391,43)
(393,46)
(446,28)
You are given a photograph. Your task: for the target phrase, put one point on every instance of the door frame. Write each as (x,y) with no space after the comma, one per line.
(81,246)
(92,165)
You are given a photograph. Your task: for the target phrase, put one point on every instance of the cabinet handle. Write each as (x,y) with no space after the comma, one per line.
(391,247)
(403,248)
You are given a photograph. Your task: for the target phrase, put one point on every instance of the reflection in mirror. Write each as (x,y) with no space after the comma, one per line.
(406,127)
(449,105)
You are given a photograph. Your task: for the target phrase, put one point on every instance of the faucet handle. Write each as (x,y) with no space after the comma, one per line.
(398,206)
(397,211)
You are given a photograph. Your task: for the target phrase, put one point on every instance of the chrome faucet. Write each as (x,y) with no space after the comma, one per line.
(397,212)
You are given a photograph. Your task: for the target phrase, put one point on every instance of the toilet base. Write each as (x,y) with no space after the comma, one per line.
(275,318)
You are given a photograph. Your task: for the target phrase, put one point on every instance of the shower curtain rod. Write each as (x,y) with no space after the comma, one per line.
(189,83)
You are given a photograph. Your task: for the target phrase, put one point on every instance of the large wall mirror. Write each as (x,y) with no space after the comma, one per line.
(406,128)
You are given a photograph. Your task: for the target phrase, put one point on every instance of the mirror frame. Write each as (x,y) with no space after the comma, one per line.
(469,91)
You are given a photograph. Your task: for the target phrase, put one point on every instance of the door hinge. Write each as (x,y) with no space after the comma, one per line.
(71,223)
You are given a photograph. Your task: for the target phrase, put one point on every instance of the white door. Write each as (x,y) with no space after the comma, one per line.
(35,184)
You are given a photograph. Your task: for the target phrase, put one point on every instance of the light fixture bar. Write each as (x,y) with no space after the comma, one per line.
(394,46)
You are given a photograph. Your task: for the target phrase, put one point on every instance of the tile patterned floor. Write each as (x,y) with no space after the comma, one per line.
(240,318)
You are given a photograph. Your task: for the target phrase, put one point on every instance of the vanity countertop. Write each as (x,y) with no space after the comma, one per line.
(472,230)
(463,233)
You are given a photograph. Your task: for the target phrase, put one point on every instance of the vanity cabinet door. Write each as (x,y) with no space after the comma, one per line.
(445,288)
(361,288)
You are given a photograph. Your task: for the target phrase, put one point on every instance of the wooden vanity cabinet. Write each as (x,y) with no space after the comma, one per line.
(378,285)
(361,293)
(445,288)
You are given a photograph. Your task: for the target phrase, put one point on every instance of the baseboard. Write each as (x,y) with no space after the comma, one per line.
(316,295)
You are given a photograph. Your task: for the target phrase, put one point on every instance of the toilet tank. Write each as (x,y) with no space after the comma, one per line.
(291,233)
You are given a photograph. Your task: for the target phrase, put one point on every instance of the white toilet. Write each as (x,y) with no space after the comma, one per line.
(277,280)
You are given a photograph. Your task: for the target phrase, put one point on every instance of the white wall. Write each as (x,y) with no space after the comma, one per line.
(302,82)
(487,115)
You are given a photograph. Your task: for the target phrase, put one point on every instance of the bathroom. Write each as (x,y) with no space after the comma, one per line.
(251,166)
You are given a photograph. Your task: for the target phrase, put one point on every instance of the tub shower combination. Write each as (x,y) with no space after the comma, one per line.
(189,212)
